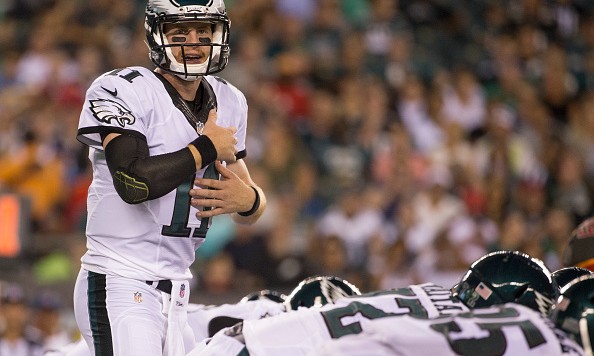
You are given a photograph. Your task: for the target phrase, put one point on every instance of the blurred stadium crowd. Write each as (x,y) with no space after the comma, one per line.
(397,141)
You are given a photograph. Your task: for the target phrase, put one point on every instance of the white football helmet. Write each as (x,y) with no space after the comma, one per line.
(161,12)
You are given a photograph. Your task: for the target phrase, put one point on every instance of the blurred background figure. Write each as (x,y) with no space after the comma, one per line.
(15,337)
(579,250)
(47,322)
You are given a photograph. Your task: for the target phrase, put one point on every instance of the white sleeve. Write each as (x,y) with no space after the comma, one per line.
(113,104)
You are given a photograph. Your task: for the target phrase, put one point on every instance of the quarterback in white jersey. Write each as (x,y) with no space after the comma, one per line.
(509,329)
(166,148)
(299,332)
(156,239)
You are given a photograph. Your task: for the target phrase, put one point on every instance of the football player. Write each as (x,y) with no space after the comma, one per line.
(494,279)
(508,329)
(167,148)
(507,277)
(493,326)
(207,320)
(574,311)
(317,291)
(510,294)
(567,274)
(324,308)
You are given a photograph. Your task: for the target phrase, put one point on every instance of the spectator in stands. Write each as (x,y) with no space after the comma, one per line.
(15,312)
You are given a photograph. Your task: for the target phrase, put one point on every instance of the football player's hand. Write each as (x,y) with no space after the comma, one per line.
(223,138)
(225,196)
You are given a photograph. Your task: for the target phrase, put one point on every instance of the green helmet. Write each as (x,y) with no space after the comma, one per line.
(567,274)
(574,311)
(265,294)
(319,290)
(504,277)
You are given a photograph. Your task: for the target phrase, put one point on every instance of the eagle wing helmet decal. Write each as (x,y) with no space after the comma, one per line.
(106,110)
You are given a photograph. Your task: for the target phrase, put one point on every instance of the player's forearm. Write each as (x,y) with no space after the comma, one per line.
(203,152)
(139,177)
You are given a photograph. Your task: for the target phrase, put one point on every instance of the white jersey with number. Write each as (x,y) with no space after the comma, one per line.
(298,332)
(156,239)
(506,330)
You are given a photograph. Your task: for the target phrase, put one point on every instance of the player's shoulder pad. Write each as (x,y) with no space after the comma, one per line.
(120,79)
(222,87)
(119,95)
(124,85)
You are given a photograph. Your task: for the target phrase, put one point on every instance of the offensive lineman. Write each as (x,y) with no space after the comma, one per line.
(509,329)
(494,279)
(501,329)
(159,141)
(299,332)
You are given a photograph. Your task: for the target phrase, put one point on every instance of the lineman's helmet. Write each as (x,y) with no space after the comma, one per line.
(574,311)
(504,277)
(319,290)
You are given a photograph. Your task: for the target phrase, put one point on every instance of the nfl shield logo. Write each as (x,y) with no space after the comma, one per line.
(182,290)
(138,297)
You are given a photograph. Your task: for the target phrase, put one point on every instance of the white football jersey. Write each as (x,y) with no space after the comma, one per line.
(299,332)
(509,330)
(200,316)
(156,239)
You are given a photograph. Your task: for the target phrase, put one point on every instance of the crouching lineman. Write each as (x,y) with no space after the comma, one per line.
(309,324)
(508,329)
(574,311)
(510,295)
(497,278)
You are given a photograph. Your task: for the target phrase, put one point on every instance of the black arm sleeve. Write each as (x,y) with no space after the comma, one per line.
(138,177)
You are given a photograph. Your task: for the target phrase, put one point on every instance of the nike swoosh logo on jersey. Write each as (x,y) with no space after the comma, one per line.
(114,92)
